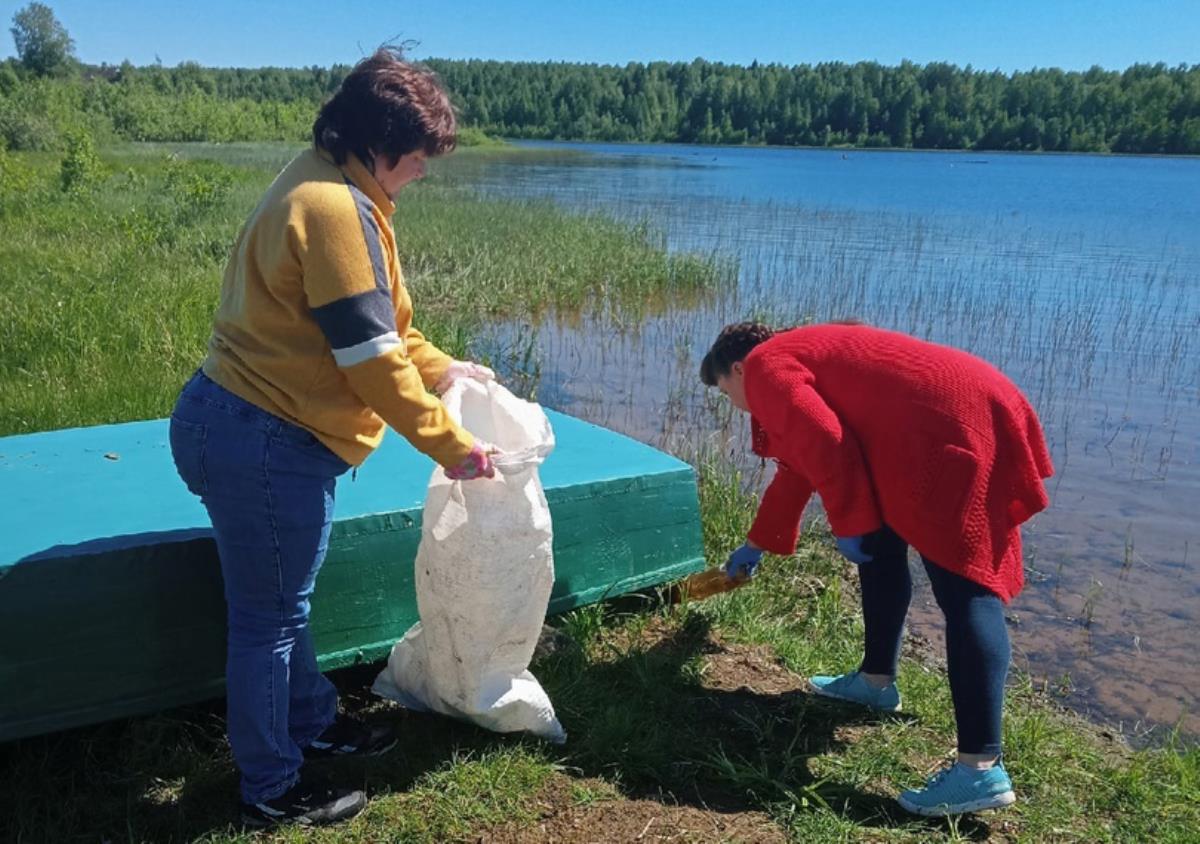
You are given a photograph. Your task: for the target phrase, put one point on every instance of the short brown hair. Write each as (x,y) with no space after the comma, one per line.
(732,345)
(386,106)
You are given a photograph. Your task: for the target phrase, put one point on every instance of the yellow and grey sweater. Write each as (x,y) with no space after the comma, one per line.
(315,325)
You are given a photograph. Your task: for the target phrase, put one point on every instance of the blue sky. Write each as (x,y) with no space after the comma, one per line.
(988,34)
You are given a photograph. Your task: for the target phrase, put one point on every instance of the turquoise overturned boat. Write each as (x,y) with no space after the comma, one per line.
(110,590)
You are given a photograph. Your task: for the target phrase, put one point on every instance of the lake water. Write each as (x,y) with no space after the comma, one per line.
(1079,276)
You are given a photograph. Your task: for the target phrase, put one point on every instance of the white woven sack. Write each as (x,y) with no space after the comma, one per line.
(484,572)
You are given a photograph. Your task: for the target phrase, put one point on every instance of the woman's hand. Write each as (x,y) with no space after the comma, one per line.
(477,464)
(743,562)
(851,547)
(463,369)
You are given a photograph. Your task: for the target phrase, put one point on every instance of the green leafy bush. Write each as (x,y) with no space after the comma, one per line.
(21,130)
(81,167)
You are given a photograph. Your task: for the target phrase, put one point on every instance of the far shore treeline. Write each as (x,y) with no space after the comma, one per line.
(1143,109)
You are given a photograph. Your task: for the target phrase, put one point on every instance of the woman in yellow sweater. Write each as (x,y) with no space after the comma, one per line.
(312,353)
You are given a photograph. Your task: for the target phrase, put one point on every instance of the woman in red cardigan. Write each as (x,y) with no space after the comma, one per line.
(908,444)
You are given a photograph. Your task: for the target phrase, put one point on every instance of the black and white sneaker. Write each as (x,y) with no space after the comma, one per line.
(310,802)
(348,736)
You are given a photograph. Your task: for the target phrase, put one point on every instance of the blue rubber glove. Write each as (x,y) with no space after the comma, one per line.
(743,562)
(851,547)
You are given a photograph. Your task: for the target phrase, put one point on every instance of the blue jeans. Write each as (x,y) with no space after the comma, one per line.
(977,645)
(268,486)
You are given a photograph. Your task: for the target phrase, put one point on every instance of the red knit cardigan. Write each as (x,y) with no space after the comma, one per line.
(887,428)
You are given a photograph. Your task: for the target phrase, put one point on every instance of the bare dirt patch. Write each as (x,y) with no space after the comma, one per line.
(733,667)
(562,818)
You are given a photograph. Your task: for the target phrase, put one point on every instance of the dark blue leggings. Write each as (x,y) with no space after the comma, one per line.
(977,647)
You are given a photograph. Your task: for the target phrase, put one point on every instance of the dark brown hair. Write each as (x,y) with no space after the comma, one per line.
(732,345)
(386,106)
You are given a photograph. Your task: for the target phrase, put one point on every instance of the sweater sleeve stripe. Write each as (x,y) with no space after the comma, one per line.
(371,234)
(368,349)
(359,327)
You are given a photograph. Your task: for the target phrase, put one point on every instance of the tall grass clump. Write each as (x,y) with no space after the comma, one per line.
(529,257)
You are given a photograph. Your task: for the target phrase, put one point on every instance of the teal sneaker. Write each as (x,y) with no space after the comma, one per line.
(957,789)
(852,687)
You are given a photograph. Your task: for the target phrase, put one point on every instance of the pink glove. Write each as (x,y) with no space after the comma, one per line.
(477,464)
(463,369)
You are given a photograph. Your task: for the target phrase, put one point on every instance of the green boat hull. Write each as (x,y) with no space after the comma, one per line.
(110,590)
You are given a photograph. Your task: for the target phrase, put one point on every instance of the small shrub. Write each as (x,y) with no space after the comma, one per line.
(81,166)
(148,227)
(26,132)
(470,136)
(196,189)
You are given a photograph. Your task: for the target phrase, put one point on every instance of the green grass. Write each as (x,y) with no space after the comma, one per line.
(108,290)
(633,690)
(107,293)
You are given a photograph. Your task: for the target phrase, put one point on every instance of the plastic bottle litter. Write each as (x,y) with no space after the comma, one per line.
(705,584)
